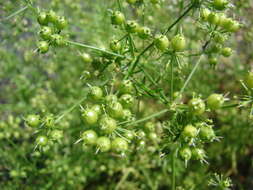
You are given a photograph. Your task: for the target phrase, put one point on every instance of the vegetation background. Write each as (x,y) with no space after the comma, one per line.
(55,83)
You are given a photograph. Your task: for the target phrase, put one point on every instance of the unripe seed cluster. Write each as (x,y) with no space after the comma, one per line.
(51,27)
(48,130)
(223,26)
(102,118)
(178,42)
(194,136)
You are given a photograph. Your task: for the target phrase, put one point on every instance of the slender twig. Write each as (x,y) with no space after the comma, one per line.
(124,177)
(122,38)
(135,62)
(131,44)
(179,18)
(173,176)
(148,75)
(70,109)
(172,78)
(16,13)
(191,74)
(230,105)
(148,117)
(119,4)
(17,150)
(94,48)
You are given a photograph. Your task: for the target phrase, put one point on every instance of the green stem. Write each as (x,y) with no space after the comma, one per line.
(17,150)
(134,63)
(131,43)
(191,74)
(124,177)
(179,18)
(94,48)
(70,109)
(148,75)
(171,78)
(119,4)
(122,38)
(150,182)
(145,118)
(16,13)
(173,171)
(230,105)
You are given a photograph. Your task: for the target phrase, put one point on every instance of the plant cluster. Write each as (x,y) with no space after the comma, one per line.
(51,27)
(146,103)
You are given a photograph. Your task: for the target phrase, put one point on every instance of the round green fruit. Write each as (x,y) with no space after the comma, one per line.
(51,16)
(220,4)
(96,93)
(213,61)
(60,23)
(110,99)
(86,58)
(45,33)
(107,124)
(115,45)
(161,42)
(43,46)
(129,135)
(153,136)
(115,110)
(149,126)
(126,87)
(190,131)
(215,101)
(226,52)
(57,40)
(185,153)
(197,106)
(207,133)
(178,43)
(56,134)
(49,121)
(119,144)
(127,115)
(42,140)
(198,154)
(42,18)
(249,80)
(33,120)
(127,100)
(213,18)
(90,116)
(104,144)
(89,137)
(205,14)
(117,18)
(132,26)
(97,108)
(144,32)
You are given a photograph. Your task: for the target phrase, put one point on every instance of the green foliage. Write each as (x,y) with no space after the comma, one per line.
(126,94)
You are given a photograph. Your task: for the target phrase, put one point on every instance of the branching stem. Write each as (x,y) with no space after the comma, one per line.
(16,13)
(94,48)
